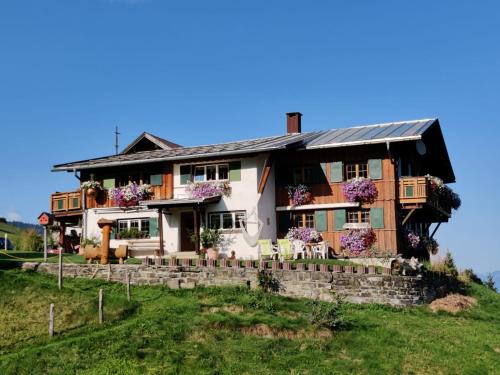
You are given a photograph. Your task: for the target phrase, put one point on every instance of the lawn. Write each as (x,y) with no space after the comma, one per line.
(231,331)
(15,257)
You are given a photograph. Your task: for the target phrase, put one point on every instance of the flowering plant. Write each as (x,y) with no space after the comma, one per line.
(361,190)
(357,241)
(430,244)
(412,239)
(130,195)
(91,184)
(448,199)
(303,234)
(298,194)
(208,189)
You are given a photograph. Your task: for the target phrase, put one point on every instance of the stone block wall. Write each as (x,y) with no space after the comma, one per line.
(317,283)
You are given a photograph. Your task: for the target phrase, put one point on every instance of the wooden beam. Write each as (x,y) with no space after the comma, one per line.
(265,174)
(408,216)
(196,214)
(435,229)
(160,229)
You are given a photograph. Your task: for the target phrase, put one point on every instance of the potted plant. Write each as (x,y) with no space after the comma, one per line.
(91,187)
(200,190)
(210,239)
(362,190)
(357,242)
(130,195)
(298,195)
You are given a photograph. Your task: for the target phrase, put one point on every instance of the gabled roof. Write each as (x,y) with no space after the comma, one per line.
(155,143)
(369,134)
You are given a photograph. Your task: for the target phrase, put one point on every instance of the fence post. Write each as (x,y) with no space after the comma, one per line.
(128,286)
(5,242)
(44,243)
(51,320)
(60,273)
(101,312)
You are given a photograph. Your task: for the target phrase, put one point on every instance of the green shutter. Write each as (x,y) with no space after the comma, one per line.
(75,203)
(339,219)
(336,171)
(409,191)
(153,227)
(377,217)
(156,179)
(319,173)
(112,235)
(108,183)
(375,169)
(60,204)
(283,222)
(186,176)
(321,220)
(235,171)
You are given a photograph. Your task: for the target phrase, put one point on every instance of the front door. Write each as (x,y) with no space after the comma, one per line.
(187,229)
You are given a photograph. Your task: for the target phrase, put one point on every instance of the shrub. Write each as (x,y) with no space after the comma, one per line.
(328,315)
(29,240)
(469,275)
(490,283)
(267,282)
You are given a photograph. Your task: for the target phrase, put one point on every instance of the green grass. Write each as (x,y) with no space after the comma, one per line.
(15,257)
(214,331)
(12,232)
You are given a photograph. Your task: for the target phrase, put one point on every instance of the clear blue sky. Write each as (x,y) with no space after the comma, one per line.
(210,71)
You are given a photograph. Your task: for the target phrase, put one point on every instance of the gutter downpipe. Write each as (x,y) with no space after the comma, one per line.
(84,208)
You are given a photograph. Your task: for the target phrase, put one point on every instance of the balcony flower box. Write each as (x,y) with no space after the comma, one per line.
(298,195)
(200,190)
(362,190)
(130,195)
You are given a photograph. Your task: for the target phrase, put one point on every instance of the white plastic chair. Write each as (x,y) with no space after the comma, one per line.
(299,248)
(320,250)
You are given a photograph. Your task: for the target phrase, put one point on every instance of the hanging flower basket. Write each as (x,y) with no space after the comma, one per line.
(358,241)
(130,195)
(412,239)
(91,187)
(199,190)
(298,195)
(362,190)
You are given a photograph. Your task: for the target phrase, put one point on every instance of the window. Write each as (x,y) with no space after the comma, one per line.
(358,216)
(211,172)
(141,225)
(226,220)
(128,179)
(303,220)
(199,174)
(303,175)
(354,170)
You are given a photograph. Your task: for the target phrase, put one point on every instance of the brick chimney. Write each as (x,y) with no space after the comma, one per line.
(293,122)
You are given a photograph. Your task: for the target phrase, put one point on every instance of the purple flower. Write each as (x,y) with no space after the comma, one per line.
(412,239)
(199,190)
(298,194)
(303,234)
(357,241)
(361,190)
(129,195)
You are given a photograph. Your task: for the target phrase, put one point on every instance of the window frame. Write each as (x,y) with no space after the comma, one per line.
(359,169)
(305,218)
(139,221)
(362,216)
(205,167)
(221,214)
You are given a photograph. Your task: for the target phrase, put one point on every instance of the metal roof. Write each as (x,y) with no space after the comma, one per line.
(369,134)
(379,133)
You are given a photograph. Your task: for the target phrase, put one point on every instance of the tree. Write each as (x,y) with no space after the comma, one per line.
(490,283)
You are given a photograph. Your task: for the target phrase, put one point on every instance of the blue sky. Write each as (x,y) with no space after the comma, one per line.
(210,71)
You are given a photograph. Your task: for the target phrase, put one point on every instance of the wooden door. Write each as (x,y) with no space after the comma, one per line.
(187,229)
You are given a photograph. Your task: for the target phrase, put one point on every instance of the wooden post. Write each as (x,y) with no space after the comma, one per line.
(44,243)
(60,273)
(160,229)
(5,243)
(128,286)
(101,311)
(51,320)
(196,214)
(105,225)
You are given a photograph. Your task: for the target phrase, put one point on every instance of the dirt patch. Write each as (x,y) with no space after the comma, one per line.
(453,303)
(227,308)
(263,330)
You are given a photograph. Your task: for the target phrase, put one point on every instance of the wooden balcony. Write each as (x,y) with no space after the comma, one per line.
(415,192)
(66,204)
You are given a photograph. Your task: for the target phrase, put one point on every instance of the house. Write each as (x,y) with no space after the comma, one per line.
(398,158)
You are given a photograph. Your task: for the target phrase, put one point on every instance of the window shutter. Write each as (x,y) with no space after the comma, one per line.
(339,219)
(336,171)
(108,183)
(283,222)
(320,218)
(112,235)
(375,169)
(75,203)
(60,204)
(377,217)
(156,179)
(319,173)
(186,174)
(153,227)
(235,171)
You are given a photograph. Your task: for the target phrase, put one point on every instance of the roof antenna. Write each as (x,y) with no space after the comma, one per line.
(116,140)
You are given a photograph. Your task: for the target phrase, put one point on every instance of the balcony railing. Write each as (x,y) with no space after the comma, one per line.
(413,190)
(66,203)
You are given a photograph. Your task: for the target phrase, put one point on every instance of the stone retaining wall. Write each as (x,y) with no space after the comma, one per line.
(318,283)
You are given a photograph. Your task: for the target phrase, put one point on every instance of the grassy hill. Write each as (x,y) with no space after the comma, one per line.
(231,331)
(12,231)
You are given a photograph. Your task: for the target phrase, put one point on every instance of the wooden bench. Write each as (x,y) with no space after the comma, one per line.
(142,248)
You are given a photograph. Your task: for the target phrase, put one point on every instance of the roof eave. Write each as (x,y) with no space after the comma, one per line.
(366,142)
